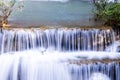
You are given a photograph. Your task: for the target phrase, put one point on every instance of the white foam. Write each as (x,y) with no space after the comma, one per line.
(56,56)
(36,65)
(31,66)
(113,47)
(99,76)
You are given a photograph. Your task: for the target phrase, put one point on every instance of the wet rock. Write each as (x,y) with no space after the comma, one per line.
(94,61)
(118,49)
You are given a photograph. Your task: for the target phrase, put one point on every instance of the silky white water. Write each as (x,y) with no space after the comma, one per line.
(58,39)
(54,65)
(38,54)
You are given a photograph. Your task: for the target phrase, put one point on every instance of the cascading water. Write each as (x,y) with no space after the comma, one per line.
(54,54)
(63,40)
(31,67)
(84,72)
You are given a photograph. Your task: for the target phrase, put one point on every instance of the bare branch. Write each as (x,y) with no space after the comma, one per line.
(6,8)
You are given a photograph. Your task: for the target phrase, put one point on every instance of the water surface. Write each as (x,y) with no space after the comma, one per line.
(53,13)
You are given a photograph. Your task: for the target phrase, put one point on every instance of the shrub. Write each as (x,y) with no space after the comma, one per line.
(107,12)
(113,14)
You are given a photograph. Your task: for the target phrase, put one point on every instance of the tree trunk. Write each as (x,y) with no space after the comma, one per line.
(0,21)
(3,21)
(0,24)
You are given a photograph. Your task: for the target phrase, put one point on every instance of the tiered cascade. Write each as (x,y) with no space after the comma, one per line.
(58,39)
(58,54)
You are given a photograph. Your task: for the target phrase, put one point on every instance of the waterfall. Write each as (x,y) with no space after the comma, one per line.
(31,67)
(58,54)
(87,71)
(116,45)
(58,39)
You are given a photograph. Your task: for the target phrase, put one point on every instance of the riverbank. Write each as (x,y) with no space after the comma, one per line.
(83,24)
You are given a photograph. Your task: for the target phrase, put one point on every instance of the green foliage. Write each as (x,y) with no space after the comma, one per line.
(113,14)
(109,13)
